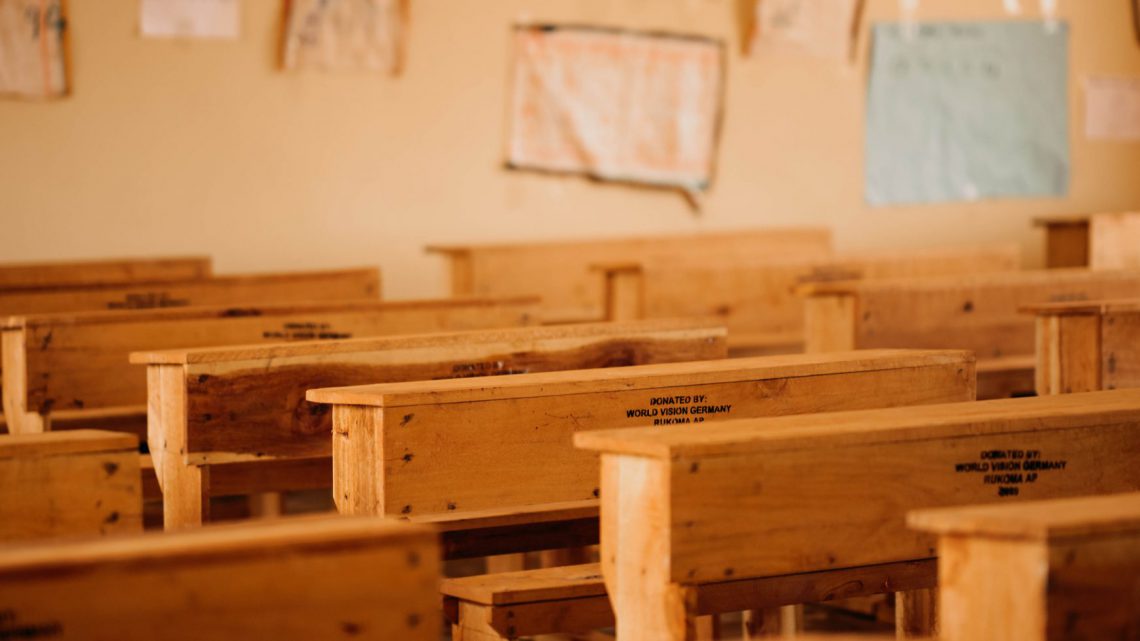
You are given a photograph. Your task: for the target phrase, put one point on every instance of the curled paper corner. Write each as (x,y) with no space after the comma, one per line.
(694,198)
(1049,12)
(909,10)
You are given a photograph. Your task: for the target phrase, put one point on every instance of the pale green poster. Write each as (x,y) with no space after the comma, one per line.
(966,111)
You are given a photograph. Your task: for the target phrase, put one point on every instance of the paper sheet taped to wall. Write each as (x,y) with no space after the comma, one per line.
(1112,108)
(191,18)
(32,56)
(824,28)
(962,111)
(345,35)
(616,105)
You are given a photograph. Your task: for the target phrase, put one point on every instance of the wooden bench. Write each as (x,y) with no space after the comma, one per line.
(103,271)
(1040,570)
(76,483)
(1087,346)
(1099,241)
(217,412)
(458,453)
(433,447)
(321,286)
(979,312)
(767,512)
(560,271)
(77,364)
(302,579)
(757,300)
(253,289)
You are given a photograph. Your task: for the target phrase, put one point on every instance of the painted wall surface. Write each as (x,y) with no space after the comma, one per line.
(174,147)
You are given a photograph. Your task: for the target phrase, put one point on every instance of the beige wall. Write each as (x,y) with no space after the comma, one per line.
(170,147)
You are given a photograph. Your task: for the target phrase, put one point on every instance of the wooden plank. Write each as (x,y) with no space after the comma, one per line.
(1068,354)
(560,271)
(254,406)
(1066,241)
(80,361)
(353,284)
(1066,568)
(1087,346)
(1052,520)
(329,578)
(1120,350)
(103,271)
(69,484)
(332,285)
(795,494)
(445,446)
(976,312)
(756,299)
(547,584)
(214,406)
(1006,377)
(1114,241)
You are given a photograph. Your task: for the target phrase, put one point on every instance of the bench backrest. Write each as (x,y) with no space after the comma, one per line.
(103,272)
(1099,241)
(494,443)
(65,484)
(80,361)
(1114,241)
(346,284)
(218,405)
(326,578)
(1060,569)
(1087,346)
(773,496)
(977,312)
(757,301)
(560,271)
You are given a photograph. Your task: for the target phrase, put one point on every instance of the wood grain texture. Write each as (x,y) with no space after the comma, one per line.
(71,484)
(331,578)
(80,361)
(756,298)
(247,404)
(346,284)
(1087,346)
(802,494)
(254,405)
(445,446)
(1066,242)
(981,313)
(103,271)
(1058,569)
(1120,350)
(560,271)
(1114,240)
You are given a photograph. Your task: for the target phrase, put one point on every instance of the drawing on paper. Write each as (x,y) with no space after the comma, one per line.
(345,35)
(33,56)
(616,105)
(825,28)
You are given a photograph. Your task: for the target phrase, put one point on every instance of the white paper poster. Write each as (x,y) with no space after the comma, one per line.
(191,18)
(1112,108)
(966,111)
(824,28)
(616,105)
